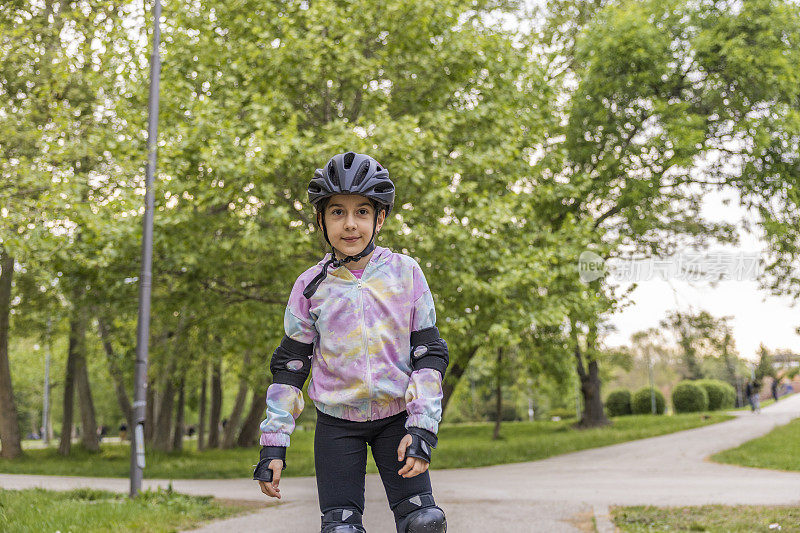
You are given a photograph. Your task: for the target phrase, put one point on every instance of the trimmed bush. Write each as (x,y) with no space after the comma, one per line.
(618,403)
(689,397)
(641,403)
(721,395)
(564,413)
(729,401)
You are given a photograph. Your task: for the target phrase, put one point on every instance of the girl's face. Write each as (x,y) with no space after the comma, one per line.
(349,219)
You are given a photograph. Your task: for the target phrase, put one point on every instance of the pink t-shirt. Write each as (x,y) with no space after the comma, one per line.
(357,273)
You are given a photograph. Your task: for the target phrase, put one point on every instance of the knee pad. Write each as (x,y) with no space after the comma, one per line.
(419,514)
(342,521)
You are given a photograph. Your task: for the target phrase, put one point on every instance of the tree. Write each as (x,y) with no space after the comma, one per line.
(765,367)
(655,106)
(9,427)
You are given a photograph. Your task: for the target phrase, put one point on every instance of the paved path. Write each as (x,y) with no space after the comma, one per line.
(553,495)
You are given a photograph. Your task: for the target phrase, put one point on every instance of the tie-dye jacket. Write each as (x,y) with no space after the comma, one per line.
(361,332)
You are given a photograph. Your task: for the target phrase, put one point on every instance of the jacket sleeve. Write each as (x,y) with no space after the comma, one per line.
(424,392)
(290,367)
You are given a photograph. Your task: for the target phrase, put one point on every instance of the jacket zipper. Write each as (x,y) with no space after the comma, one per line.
(366,351)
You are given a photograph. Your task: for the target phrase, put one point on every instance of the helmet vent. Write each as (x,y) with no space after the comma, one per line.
(348,159)
(379,168)
(361,174)
(332,174)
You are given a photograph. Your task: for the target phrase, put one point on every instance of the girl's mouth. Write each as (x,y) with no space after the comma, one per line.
(350,239)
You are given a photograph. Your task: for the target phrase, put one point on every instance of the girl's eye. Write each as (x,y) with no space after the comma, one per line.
(336,212)
(363,212)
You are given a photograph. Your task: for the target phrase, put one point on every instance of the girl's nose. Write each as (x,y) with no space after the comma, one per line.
(350,221)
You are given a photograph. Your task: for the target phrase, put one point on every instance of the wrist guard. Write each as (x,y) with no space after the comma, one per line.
(422,441)
(267,454)
(429,350)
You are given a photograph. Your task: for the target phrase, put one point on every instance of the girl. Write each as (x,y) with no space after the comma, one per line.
(364,327)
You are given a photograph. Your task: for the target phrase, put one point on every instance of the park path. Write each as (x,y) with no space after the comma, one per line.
(552,495)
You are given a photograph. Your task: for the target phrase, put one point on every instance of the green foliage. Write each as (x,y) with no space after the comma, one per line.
(563,413)
(618,403)
(689,397)
(721,395)
(641,402)
(511,158)
(765,367)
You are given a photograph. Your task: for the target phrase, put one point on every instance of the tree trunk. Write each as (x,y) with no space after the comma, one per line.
(162,437)
(88,419)
(230,433)
(149,412)
(593,413)
(453,376)
(201,424)
(499,394)
(77,335)
(116,373)
(250,435)
(10,436)
(180,426)
(216,405)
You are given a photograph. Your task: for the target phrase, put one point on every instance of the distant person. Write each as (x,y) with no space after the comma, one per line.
(775,386)
(751,390)
(123,431)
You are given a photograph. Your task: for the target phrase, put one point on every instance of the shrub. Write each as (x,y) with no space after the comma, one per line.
(729,399)
(689,397)
(563,413)
(721,395)
(641,403)
(618,403)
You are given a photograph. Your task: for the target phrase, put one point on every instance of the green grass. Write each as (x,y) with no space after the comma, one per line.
(710,518)
(88,510)
(460,446)
(777,449)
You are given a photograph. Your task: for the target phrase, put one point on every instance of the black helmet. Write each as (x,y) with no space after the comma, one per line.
(349,173)
(352,173)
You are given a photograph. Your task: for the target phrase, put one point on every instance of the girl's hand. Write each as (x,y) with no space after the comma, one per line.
(414,465)
(271,488)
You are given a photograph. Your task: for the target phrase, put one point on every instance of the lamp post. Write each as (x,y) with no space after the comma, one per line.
(652,385)
(143,325)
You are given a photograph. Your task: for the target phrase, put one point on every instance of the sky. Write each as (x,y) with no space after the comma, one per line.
(758,316)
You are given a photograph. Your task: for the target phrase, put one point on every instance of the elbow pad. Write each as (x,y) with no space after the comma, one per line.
(291,362)
(428,350)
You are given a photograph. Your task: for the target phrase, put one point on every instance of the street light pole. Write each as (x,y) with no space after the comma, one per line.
(652,385)
(143,326)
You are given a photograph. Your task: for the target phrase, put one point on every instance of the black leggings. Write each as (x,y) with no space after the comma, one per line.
(340,457)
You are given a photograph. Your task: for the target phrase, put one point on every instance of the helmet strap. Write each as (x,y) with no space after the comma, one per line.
(311,288)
